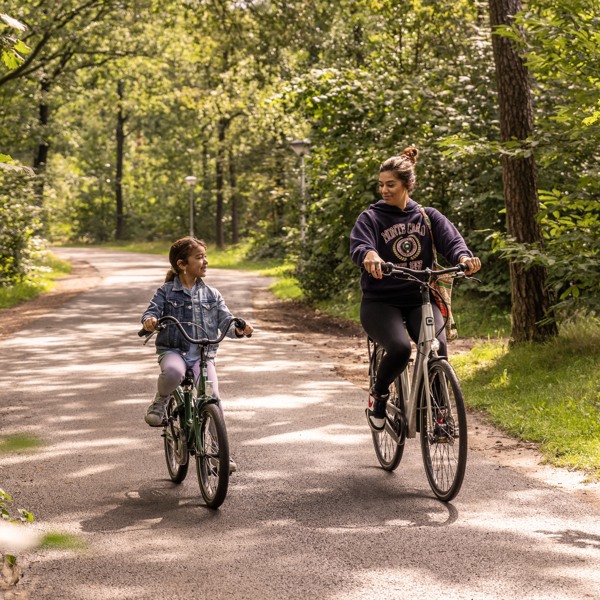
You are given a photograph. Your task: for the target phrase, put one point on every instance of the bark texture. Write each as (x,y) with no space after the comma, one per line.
(530,297)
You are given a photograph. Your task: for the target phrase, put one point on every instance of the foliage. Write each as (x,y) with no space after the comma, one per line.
(19,219)
(218,89)
(561,43)
(12,48)
(44,269)
(544,393)
(23,515)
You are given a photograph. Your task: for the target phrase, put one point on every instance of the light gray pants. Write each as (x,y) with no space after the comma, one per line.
(172,372)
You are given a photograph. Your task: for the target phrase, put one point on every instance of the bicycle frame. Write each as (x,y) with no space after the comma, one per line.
(429,401)
(184,397)
(427,347)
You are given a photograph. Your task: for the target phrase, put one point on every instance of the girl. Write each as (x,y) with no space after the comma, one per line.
(202,312)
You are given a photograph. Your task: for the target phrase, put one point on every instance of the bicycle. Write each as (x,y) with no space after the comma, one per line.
(194,424)
(429,401)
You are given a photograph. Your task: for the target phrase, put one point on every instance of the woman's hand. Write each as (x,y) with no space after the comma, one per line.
(473,264)
(150,324)
(372,264)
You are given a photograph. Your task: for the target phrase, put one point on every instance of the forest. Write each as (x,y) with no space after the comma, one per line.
(107,106)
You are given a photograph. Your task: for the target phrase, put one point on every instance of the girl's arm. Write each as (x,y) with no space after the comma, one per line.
(155,308)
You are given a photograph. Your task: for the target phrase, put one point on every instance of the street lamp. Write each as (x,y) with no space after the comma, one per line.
(191,181)
(301,148)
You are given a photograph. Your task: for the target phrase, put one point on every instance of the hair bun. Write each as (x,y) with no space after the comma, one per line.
(411,153)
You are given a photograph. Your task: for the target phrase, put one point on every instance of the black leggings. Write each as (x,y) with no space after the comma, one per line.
(387,324)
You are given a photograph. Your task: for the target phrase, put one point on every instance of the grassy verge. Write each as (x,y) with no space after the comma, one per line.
(544,393)
(47,269)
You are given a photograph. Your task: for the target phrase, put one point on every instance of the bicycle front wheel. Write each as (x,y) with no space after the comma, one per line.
(176,450)
(443,431)
(389,443)
(212,455)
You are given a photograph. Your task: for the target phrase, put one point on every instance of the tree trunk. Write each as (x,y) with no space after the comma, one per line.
(530,297)
(220,238)
(41,158)
(235,234)
(120,132)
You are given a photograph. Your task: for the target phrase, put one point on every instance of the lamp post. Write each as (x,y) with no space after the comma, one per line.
(301,148)
(191,181)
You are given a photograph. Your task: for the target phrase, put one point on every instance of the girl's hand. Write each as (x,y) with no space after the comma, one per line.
(372,264)
(150,324)
(248,331)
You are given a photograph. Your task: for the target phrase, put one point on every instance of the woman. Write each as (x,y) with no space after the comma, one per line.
(202,312)
(395,230)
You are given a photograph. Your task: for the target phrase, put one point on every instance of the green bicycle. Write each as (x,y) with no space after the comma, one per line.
(194,424)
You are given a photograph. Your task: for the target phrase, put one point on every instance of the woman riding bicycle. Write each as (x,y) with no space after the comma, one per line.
(394,229)
(201,310)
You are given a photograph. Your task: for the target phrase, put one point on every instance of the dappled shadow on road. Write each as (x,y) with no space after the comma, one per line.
(578,539)
(308,513)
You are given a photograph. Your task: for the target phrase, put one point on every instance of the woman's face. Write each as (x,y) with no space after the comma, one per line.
(392,190)
(196,263)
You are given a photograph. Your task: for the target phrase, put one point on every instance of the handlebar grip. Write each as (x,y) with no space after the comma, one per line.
(144,333)
(386,268)
(241,324)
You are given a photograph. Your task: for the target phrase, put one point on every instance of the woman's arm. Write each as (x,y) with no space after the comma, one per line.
(450,243)
(363,239)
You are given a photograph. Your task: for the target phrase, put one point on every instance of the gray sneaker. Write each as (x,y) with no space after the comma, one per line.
(232,466)
(155,415)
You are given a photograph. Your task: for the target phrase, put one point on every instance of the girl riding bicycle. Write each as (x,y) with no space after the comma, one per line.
(201,310)
(395,229)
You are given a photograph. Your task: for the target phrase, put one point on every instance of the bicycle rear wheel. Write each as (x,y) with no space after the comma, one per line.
(444,434)
(389,443)
(176,450)
(212,455)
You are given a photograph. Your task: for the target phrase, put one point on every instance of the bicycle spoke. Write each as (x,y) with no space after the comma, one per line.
(443,432)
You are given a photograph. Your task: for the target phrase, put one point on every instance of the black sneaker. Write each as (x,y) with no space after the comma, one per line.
(376,410)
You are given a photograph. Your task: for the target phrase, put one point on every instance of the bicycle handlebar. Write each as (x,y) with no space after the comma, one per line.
(391,269)
(170,320)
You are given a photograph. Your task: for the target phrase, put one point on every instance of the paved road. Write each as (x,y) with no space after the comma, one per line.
(308,513)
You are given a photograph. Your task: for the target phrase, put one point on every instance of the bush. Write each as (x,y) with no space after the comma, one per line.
(19,227)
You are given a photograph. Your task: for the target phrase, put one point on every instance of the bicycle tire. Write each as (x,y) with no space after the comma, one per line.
(387,449)
(212,455)
(176,450)
(444,439)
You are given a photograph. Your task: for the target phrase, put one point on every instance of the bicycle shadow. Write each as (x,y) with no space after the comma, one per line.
(149,507)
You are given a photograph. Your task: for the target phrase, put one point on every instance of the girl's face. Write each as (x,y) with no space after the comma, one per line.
(196,263)
(392,190)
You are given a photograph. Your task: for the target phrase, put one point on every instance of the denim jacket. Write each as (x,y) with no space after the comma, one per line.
(202,305)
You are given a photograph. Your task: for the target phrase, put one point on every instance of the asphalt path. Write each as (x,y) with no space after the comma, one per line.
(308,513)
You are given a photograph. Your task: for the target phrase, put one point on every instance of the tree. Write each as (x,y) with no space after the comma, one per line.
(529,291)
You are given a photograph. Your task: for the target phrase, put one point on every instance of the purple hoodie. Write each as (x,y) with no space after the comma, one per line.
(403,238)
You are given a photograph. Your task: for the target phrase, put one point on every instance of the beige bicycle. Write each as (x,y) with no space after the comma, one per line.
(426,399)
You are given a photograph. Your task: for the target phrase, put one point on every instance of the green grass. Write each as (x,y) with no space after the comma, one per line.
(543,393)
(62,541)
(17,443)
(233,257)
(477,316)
(47,269)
